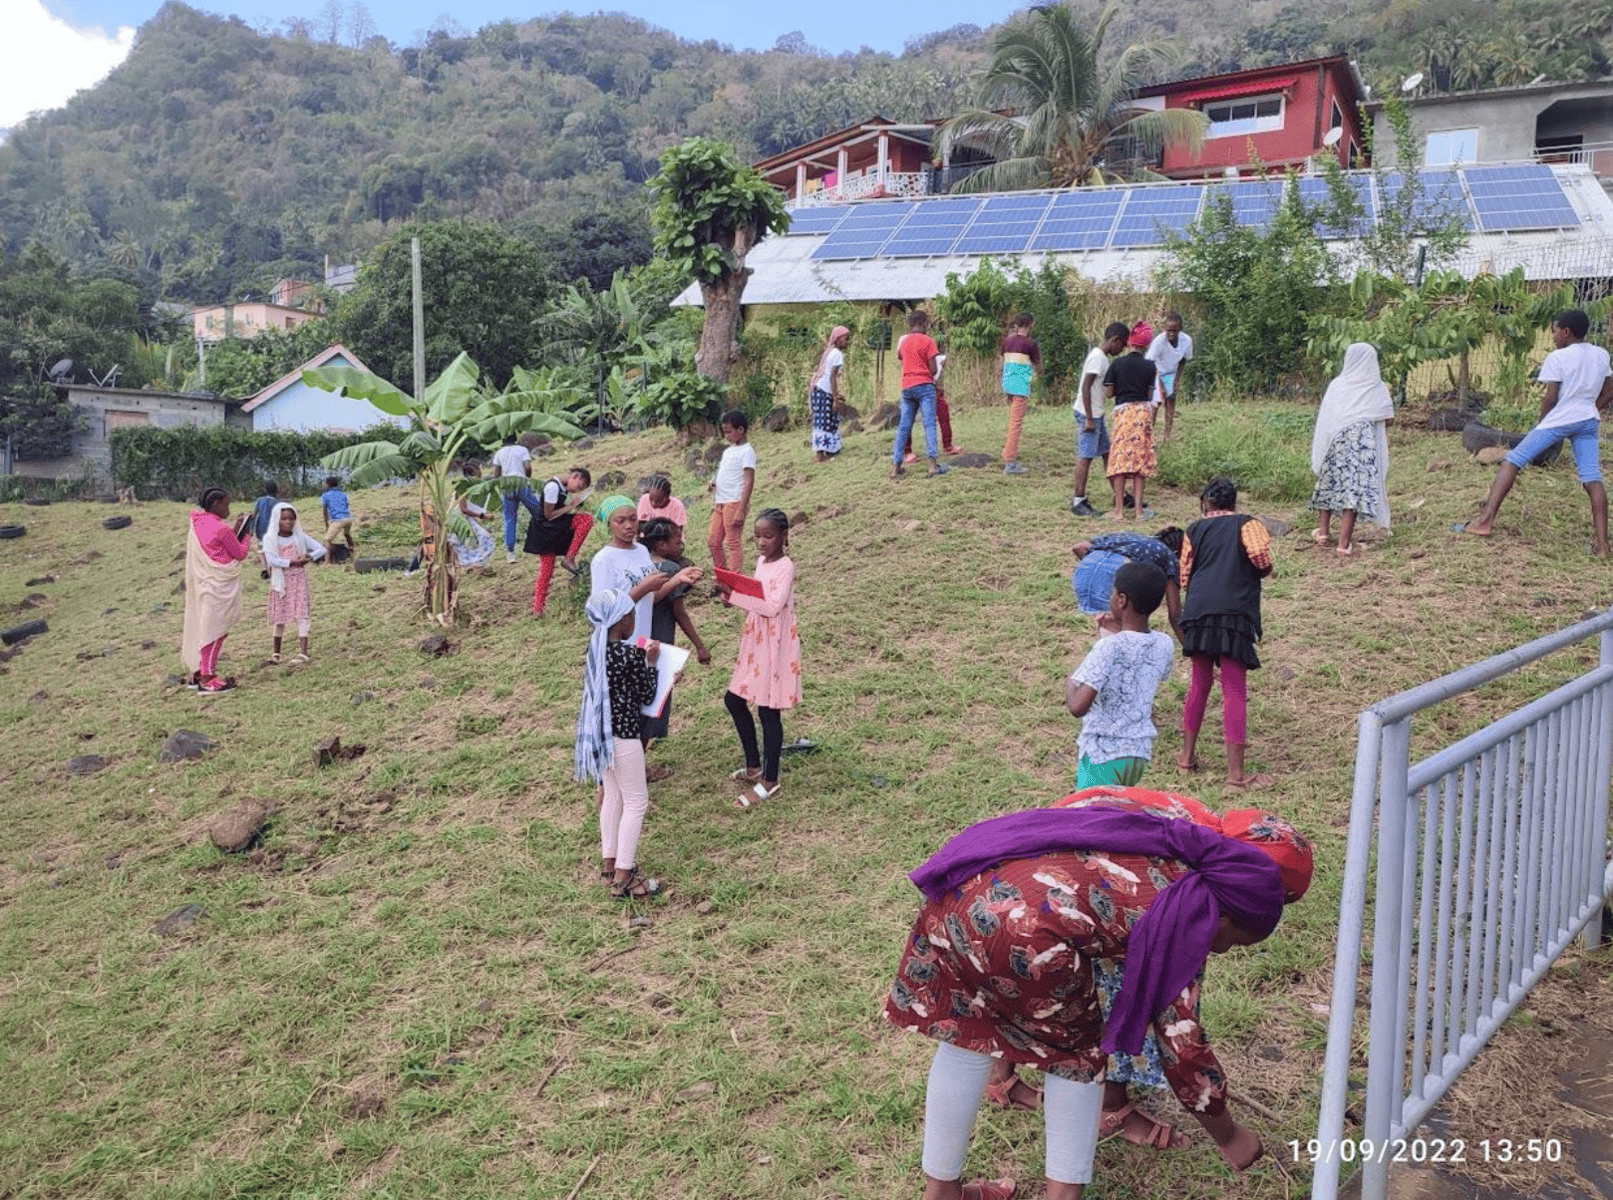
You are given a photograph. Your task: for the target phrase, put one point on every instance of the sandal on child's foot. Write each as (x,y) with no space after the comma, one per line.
(275,658)
(301,658)
(1002,1094)
(746,774)
(758,793)
(1191,764)
(1250,781)
(990,1189)
(636,886)
(1153,1132)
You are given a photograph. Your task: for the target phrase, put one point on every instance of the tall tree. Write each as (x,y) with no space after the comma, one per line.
(1069,105)
(710,212)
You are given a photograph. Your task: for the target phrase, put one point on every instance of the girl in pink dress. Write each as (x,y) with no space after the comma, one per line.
(768,673)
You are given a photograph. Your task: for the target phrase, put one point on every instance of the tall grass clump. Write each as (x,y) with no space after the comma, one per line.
(1266,448)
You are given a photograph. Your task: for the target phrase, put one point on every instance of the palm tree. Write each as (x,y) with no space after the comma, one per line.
(1071,104)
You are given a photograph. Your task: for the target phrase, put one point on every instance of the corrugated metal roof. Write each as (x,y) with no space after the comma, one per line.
(786,272)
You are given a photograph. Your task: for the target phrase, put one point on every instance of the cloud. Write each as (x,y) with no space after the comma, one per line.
(44,60)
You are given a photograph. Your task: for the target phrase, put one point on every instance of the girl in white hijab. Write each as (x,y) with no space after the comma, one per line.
(1350,448)
(288,551)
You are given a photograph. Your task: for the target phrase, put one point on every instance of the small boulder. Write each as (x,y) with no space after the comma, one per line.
(181,919)
(1277,527)
(237,828)
(713,453)
(1436,465)
(543,451)
(87,764)
(798,518)
(851,426)
(184,744)
(586,443)
(331,750)
(37,580)
(972,461)
(886,416)
(35,599)
(848,413)
(1489,456)
(436,645)
(610,480)
(777,420)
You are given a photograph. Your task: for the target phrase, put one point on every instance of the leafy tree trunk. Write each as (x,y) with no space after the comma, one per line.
(719,335)
(436,494)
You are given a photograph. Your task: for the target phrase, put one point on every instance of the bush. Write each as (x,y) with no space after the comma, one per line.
(177,463)
(1266,449)
(14,488)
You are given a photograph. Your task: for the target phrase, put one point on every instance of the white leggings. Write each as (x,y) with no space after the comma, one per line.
(627,798)
(958,1081)
(302,628)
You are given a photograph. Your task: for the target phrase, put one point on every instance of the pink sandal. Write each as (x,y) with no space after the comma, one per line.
(991,1189)
(1002,1094)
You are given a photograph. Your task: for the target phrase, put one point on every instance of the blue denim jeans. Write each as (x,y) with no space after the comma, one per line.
(914,398)
(1584,436)
(513,502)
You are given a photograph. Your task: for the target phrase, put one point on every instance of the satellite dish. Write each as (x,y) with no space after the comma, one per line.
(61,370)
(1229,173)
(1332,136)
(1411,81)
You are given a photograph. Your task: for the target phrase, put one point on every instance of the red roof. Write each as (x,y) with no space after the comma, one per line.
(1249,87)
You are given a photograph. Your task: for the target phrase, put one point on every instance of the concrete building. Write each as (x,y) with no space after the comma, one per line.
(115,408)
(1544,122)
(215,322)
(290,405)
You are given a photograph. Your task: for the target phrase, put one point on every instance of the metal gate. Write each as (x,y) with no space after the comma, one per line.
(1491,855)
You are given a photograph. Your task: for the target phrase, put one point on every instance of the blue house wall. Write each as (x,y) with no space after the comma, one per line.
(298,408)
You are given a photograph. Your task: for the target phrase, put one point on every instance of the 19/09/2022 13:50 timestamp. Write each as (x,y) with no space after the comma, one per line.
(1431,1152)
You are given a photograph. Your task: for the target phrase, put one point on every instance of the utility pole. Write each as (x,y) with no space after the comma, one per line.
(419,325)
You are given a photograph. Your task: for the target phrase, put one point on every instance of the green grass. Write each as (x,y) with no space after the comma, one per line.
(415,986)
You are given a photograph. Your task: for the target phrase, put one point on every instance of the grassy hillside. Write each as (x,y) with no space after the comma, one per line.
(416,985)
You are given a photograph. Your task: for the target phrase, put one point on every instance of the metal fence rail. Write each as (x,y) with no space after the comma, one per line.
(1491,856)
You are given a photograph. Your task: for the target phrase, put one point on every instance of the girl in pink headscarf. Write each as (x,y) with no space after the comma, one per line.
(824,396)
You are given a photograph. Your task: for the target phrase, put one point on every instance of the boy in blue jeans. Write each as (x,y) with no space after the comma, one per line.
(338,516)
(1579,388)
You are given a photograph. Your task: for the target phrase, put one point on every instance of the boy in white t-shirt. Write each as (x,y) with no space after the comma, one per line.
(1579,388)
(1112,691)
(1169,352)
(1091,438)
(731,489)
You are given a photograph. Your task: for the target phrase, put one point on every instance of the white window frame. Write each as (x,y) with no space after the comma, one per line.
(1450,146)
(1245,126)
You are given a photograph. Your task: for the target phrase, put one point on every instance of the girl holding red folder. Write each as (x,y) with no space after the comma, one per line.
(768,673)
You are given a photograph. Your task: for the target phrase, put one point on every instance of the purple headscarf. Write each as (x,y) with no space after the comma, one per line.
(1170,942)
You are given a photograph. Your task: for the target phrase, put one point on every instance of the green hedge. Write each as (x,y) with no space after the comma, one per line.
(176,464)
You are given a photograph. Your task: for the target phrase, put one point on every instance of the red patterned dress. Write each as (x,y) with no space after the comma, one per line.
(1006,965)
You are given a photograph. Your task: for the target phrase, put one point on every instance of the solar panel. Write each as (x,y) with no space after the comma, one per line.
(1521,197)
(819,219)
(932,228)
(1441,198)
(1079,221)
(864,231)
(1150,213)
(1315,193)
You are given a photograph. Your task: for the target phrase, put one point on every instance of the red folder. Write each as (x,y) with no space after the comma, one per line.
(743,584)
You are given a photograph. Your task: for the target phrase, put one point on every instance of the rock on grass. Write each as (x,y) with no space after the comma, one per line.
(237,828)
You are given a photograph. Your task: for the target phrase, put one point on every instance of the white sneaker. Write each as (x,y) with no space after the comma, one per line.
(509,556)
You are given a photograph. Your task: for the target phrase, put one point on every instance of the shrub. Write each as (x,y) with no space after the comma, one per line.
(1265,448)
(177,463)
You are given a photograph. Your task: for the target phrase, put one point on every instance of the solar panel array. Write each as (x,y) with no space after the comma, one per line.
(1491,199)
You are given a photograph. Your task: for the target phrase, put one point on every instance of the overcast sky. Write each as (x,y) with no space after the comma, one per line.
(53,48)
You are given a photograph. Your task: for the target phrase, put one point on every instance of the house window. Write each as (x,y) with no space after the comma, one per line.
(1338,116)
(116,419)
(1238,118)
(1449,146)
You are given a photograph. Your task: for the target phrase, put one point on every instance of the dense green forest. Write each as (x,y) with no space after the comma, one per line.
(219,158)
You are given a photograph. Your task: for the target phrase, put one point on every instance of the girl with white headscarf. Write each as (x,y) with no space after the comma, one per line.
(1350,448)
(288,550)
(824,397)
(619,680)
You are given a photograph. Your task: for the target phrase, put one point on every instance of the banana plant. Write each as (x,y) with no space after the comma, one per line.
(455,412)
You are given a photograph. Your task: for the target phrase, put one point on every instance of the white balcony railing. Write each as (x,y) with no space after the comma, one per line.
(869,187)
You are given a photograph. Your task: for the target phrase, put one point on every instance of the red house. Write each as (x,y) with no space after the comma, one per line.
(1271,117)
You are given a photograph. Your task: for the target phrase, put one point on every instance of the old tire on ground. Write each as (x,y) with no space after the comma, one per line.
(36,502)
(16,634)
(122,522)
(12,531)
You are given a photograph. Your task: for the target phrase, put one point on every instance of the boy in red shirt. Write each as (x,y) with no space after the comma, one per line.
(917,353)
